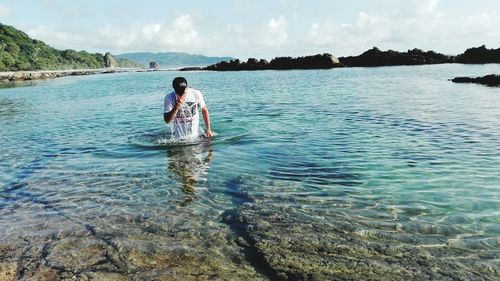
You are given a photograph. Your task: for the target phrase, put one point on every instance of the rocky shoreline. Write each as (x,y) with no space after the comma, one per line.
(17,76)
(376,57)
(324,61)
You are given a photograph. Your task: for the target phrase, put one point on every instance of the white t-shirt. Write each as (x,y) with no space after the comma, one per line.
(186,124)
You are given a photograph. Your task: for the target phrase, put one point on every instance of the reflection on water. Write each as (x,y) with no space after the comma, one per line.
(15,84)
(190,164)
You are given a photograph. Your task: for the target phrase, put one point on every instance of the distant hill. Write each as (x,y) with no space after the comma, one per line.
(172,59)
(20,52)
(120,62)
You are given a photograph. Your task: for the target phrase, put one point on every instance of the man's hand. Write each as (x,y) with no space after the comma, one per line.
(206,118)
(179,100)
(209,134)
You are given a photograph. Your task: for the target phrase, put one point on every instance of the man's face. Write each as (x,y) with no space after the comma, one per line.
(180,93)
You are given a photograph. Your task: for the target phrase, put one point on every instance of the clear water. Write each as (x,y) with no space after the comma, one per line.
(402,151)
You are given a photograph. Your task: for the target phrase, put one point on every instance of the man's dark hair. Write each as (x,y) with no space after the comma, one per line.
(179,84)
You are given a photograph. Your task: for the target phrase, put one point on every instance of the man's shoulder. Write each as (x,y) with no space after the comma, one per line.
(197,94)
(170,95)
(195,91)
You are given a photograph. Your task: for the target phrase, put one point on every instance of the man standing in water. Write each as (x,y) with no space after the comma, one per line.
(182,105)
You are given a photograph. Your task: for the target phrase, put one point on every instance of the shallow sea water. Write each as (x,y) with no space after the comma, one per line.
(356,173)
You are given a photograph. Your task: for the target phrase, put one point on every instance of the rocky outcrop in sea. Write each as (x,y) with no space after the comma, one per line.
(109,61)
(488,80)
(324,61)
(376,57)
(479,55)
(371,58)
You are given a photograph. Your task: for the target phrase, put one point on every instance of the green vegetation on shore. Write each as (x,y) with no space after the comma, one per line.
(20,52)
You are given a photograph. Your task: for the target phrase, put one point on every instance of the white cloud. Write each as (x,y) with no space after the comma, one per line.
(425,7)
(472,23)
(274,34)
(179,35)
(418,24)
(241,5)
(256,41)
(321,35)
(61,39)
(4,11)
(417,7)
(366,31)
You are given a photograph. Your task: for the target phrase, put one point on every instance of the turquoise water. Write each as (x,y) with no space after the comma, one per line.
(402,153)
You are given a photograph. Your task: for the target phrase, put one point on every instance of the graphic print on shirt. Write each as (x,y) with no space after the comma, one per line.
(187,111)
(186,123)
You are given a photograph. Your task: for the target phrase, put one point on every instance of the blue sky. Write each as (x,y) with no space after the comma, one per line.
(257,28)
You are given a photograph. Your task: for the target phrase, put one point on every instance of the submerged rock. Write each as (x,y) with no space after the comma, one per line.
(488,80)
(296,247)
(77,253)
(299,239)
(127,247)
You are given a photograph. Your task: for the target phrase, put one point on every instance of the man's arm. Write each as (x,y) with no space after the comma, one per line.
(206,118)
(169,116)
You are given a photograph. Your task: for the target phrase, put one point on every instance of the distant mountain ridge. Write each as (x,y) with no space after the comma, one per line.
(171,59)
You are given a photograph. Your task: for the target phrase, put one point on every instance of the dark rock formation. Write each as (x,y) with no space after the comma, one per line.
(324,61)
(370,58)
(109,61)
(191,68)
(153,65)
(376,57)
(479,55)
(488,80)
